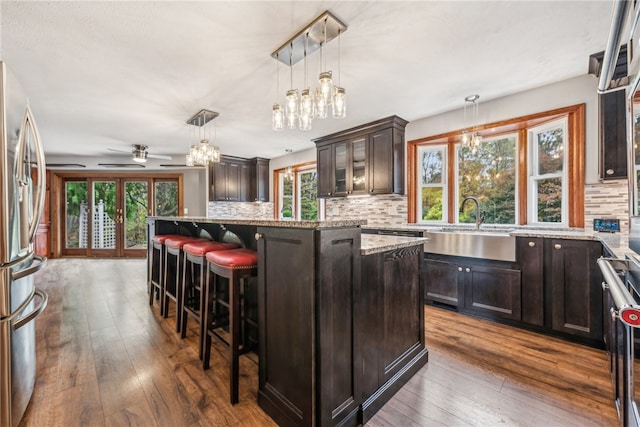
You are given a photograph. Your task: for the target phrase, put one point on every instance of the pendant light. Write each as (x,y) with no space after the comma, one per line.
(471,138)
(306,98)
(339,94)
(323,93)
(292,97)
(277,115)
(202,154)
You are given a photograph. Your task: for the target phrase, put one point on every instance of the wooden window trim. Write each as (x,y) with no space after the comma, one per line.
(575,128)
(300,167)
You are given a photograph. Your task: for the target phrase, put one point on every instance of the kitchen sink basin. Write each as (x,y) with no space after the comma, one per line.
(496,245)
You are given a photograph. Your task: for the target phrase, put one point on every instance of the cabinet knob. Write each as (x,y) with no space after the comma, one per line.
(459,268)
(329,193)
(557,246)
(468,270)
(371,191)
(532,244)
(609,171)
(258,236)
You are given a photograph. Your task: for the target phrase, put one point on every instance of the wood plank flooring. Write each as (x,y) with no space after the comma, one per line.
(106,359)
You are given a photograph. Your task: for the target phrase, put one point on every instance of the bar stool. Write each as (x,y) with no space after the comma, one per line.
(156,273)
(173,248)
(191,297)
(235,265)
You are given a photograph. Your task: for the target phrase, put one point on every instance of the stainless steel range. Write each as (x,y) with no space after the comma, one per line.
(21,203)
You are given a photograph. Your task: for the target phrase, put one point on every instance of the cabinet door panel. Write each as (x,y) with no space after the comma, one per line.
(359,164)
(233,182)
(442,283)
(220,181)
(342,175)
(402,308)
(325,171)
(530,255)
(494,291)
(380,159)
(244,184)
(576,294)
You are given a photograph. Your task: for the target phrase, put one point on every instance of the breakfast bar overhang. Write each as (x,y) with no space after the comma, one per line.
(340,314)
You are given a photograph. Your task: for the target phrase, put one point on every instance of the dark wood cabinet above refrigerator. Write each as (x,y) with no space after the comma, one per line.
(367,159)
(613,135)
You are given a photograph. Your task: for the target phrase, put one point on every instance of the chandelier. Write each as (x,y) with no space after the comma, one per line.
(302,107)
(471,138)
(201,154)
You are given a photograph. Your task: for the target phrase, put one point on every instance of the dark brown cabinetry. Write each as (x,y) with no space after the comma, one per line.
(553,287)
(613,135)
(236,179)
(312,325)
(367,159)
(487,288)
(529,253)
(259,180)
(389,315)
(574,283)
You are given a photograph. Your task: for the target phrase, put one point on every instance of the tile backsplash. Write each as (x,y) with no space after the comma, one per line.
(251,210)
(607,199)
(390,209)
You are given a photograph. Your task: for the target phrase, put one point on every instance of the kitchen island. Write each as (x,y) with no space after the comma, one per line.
(340,315)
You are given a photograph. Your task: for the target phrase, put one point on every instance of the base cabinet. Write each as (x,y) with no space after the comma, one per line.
(491,289)
(574,284)
(389,315)
(553,287)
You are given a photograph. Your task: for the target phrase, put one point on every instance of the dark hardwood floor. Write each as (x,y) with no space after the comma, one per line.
(106,359)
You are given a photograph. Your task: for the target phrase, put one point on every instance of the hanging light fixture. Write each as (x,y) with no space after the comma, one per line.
(302,107)
(339,94)
(277,115)
(288,173)
(471,138)
(202,154)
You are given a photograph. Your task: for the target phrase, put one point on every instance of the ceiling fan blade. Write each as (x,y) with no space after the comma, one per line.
(119,151)
(159,156)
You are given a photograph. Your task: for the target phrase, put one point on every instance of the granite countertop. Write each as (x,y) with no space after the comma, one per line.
(266,222)
(615,243)
(374,243)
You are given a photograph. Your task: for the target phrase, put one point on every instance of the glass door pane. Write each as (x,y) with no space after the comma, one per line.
(104,215)
(308,195)
(136,196)
(340,162)
(358,166)
(76,214)
(166,198)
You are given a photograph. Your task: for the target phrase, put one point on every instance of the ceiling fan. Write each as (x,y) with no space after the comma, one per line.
(140,153)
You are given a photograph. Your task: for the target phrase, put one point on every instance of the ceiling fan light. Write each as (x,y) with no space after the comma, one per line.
(139,155)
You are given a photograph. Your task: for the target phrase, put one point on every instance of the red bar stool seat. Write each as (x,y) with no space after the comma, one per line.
(173,264)
(235,265)
(155,274)
(191,297)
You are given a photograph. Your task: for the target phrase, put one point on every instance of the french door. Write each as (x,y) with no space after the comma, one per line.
(107,217)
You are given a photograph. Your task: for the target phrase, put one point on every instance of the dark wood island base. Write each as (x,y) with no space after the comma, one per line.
(340,315)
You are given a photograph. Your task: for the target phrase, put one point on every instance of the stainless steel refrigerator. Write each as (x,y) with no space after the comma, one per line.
(22,191)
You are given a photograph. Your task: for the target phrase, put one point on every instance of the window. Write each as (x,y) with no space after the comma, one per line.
(433,183)
(297,195)
(528,170)
(489,175)
(547,182)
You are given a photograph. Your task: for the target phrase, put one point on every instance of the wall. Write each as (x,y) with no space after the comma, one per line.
(389,209)
(607,199)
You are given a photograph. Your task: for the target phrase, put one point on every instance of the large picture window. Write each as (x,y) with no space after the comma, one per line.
(527,170)
(488,173)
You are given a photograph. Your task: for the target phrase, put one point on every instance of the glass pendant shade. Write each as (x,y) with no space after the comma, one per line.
(322,106)
(477,139)
(305,121)
(339,103)
(306,103)
(292,101)
(326,85)
(277,118)
(465,139)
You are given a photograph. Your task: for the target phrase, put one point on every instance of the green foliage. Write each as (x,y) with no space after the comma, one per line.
(308,196)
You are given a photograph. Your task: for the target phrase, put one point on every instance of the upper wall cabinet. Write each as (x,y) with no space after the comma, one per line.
(613,135)
(367,159)
(235,179)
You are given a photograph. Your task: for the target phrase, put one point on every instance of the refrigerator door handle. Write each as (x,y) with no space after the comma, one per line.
(33,268)
(44,299)
(22,172)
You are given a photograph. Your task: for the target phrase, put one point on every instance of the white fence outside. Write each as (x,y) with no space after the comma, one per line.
(104,228)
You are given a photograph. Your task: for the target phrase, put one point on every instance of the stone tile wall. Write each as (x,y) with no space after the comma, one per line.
(390,209)
(248,210)
(607,199)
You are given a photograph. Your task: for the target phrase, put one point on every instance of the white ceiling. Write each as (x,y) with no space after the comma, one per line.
(110,74)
